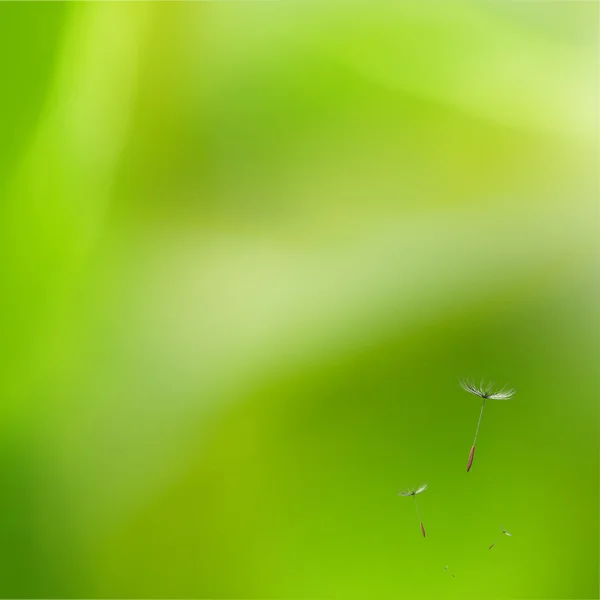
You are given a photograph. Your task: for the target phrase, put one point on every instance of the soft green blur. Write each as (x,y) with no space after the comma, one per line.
(247,251)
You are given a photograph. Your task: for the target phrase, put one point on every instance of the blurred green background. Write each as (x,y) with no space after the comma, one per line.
(247,251)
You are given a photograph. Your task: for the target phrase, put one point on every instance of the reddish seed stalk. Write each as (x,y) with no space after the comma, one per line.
(472,452)
(422,530)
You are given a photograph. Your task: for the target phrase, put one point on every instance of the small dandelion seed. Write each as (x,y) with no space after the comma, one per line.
(412,493)
(485,392)
(504,532)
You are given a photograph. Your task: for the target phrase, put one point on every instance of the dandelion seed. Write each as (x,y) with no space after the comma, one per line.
(504,532)
(413,494)
(485,392)
(446,569)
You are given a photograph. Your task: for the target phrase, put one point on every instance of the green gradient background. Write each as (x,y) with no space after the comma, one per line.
(247,250)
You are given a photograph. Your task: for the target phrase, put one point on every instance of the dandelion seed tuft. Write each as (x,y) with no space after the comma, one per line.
(413,492)
(486,391)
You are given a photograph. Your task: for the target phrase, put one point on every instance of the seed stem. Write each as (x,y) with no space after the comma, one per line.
(417,507)
(479,422)
(419,515)
(472,452)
